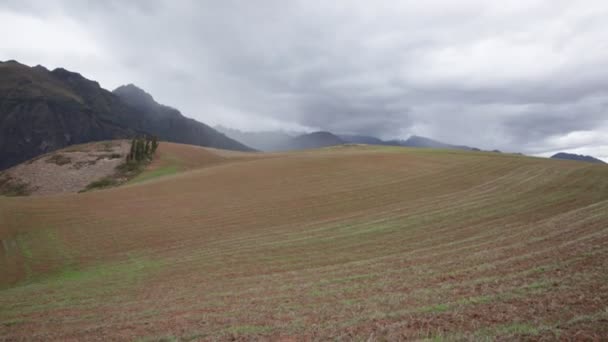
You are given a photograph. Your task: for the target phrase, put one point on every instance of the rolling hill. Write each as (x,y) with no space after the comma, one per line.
(340,243)
(42,111)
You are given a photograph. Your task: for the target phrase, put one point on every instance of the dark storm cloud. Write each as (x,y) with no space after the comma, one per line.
(523,75)
(541,121)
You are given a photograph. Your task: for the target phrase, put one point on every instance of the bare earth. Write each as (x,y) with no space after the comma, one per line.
(70,169)
(355,243)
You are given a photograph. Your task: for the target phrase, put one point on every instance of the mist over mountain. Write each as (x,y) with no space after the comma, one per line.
(169,124)
(417,141)
(283,141)
(314,140)
(362,139)
(268,141)
(42,110)
(527,77)
(272,141)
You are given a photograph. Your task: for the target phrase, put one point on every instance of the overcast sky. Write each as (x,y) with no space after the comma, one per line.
(529,76)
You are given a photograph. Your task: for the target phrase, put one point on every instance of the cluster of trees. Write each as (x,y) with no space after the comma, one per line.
(142,148)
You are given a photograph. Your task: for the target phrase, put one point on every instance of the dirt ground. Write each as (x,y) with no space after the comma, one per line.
(70,169)
(359,243)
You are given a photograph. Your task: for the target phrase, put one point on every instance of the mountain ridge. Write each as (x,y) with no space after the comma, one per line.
(42,111)
(282,141)
(577,157)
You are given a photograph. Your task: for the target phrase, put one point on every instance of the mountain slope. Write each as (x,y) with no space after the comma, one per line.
(361,139)
(272,141)
(42,110)
(169,124)
(577,157)
(268,141)
(281,141)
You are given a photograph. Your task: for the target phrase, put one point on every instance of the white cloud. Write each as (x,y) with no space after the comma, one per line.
(524,76)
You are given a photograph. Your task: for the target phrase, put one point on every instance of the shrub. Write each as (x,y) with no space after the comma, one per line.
(58,159)
(102,183)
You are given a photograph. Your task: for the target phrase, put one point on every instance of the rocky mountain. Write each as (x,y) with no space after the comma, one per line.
(413,141)
(361,139)
(170,125)
(418,141)
(283,141)
(272,141)
(577,157)
(314,140)
(269,141)
(42,110)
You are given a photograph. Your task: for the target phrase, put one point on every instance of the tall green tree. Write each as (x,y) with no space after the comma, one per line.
(131,155)
(147,150)
(154,144)
(139,149)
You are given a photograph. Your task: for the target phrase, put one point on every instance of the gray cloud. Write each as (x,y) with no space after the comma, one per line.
(522,76)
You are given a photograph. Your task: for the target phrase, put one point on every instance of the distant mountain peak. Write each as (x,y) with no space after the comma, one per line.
(315,140)
(64,73)
(46,110)
(132,89)
(41,68)
(135,95)
(577,157)
(322,134)
(11,61)
(423,140)
(419,141)
(73,78)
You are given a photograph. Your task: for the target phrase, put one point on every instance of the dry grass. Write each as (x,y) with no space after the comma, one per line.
(346,243)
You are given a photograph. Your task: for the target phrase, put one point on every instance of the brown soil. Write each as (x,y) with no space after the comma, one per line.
(357,243)
(70,169)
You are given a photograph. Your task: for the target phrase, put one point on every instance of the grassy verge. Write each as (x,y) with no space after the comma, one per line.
(10,186)
(123,173)
(163,171)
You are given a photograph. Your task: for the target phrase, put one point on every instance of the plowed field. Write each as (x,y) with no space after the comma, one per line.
(352,242)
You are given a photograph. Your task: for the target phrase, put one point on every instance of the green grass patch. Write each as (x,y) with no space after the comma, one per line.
(475,300)
(13,322)
(24,248)
(158,339)
(126,272)
(10,186)
(434,308)
(74,287)
(124,172)
(249,329)
(103,183)
(160,172)
(511,329)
